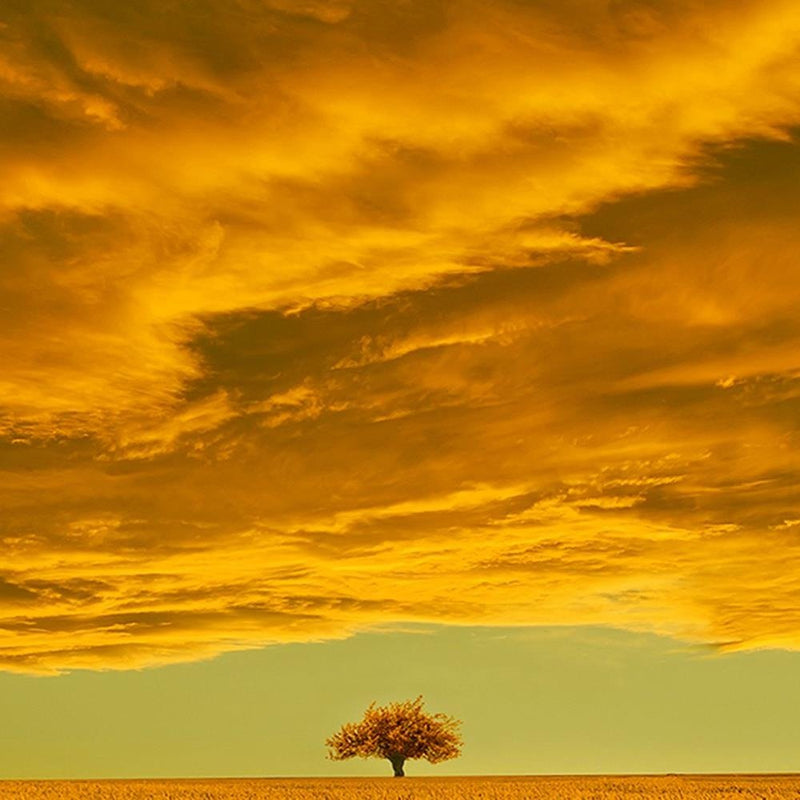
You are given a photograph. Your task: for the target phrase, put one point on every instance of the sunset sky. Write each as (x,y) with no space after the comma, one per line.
(458,339)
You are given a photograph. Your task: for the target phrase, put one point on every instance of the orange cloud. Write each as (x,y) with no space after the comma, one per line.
(328,315)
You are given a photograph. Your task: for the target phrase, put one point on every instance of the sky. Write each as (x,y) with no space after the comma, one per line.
(324,320)
(544,700)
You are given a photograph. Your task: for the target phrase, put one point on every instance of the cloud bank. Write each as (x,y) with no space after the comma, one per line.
(326,316)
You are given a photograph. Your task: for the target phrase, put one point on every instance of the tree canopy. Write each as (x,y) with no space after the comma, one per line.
(397,732)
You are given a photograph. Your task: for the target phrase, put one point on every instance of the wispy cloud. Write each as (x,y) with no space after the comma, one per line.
(328,315)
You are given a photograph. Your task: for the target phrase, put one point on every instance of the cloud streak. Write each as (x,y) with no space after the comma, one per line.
(331,315)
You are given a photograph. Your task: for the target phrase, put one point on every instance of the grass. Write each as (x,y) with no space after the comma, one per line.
(628,787)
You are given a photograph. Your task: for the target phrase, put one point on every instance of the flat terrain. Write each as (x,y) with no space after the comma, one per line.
(631,787)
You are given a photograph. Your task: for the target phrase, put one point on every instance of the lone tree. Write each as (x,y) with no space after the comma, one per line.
(397,732)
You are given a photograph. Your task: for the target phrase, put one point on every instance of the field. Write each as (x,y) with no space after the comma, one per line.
(687,787)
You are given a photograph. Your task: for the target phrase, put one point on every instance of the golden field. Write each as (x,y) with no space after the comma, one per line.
(701,787)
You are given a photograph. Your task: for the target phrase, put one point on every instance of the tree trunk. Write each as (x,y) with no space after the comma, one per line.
(397,765)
